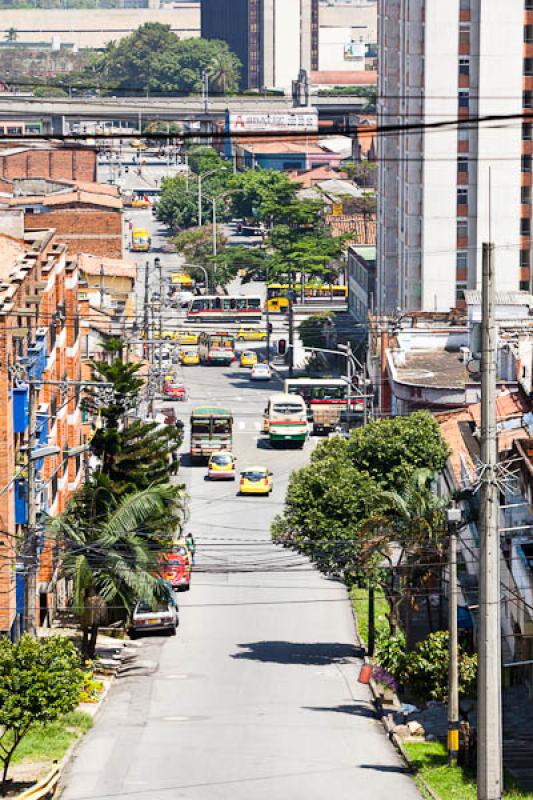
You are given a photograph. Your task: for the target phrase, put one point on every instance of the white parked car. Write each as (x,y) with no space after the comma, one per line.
(260,372)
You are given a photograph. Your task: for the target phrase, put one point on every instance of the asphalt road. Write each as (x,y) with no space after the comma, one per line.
(257,696)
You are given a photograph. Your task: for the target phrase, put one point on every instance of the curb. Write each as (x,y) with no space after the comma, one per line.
(71,752)
(396,741)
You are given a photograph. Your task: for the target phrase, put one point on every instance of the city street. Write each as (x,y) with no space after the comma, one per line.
(257,696)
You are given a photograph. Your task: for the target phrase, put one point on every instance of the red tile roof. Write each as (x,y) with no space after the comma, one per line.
(366,77)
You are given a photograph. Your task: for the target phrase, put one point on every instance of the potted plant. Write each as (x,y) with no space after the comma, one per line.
(386,683)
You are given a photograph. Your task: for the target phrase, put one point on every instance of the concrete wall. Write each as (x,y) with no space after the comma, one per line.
(95,27)
(362,19)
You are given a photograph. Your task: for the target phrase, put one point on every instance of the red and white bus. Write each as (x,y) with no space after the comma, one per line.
(216,348)
(318,392)
(225,308)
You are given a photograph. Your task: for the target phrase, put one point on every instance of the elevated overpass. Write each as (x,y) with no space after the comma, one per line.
(59,114)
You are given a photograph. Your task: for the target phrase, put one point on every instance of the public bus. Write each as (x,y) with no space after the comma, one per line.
(319,393)
(285,419)
(211,430)
(216,349)
(225,308)
(140,240)
(278,294)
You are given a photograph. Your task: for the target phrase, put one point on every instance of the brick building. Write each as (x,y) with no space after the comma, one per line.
(39,341)
(59,160)
(86,219)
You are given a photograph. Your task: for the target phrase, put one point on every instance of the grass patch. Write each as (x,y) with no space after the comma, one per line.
(381,609)
(51,742)
(430,761)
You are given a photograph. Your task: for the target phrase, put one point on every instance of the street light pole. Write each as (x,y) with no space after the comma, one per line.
(453,517)
(30,584)
(214,226)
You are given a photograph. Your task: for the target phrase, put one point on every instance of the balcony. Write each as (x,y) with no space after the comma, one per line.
(21,501)
(20,409)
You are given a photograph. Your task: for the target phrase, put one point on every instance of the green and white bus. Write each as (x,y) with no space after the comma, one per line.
(286,419)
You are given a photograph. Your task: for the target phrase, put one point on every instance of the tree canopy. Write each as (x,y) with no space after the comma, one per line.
(152,59)
(39,681)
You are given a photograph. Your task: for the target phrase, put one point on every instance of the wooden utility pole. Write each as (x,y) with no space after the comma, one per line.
(30,549)
(489,743)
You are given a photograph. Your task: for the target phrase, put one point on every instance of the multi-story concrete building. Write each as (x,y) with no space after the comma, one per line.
(445,190)
(273,39)
(39,346)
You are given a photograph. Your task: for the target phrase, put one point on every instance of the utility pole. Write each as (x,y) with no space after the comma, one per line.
(146,310)
(200,218)
(453,517)
(101,286)
(371,622)
(291,327)
(214,226)
(489,744)
(30,585)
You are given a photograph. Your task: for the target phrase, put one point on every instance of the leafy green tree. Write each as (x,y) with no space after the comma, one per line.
(203,158)
(311,330)
(39,681)
(177,207)
(49,91)
(152,59)
(196,245)
(264,193)
(137,454)
(108,553)
(391,449)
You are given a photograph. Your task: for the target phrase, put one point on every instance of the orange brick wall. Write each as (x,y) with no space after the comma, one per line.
(62,163)
(73,222)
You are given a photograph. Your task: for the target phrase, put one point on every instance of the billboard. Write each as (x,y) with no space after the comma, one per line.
(299,119)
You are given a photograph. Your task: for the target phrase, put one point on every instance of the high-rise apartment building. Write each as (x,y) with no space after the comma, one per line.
(443,191)
(273,39)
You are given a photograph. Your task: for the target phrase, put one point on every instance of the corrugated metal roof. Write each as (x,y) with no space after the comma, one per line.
(473,298)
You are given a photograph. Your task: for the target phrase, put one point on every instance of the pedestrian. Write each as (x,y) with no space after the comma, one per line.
(191,546)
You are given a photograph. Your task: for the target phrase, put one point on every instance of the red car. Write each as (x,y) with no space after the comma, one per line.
(175,567)
(174,391)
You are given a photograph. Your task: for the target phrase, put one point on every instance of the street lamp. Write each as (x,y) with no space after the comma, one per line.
(200,179)
(453,520)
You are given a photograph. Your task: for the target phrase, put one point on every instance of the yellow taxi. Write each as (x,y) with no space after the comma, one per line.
(249,358)
(140,202)
(255,480)
(187,337)
(251,335)
(189,358)
(221,466)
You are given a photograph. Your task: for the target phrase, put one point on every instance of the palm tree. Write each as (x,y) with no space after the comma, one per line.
(222,72)
(408,537)
(11,35)
(107,555)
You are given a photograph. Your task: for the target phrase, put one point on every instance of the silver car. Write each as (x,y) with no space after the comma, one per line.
(158,616)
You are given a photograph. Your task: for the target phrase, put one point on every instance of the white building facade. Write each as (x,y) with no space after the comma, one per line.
(446,189)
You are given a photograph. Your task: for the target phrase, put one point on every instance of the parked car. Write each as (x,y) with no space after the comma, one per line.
(175,567)
(157,616)
(260,372)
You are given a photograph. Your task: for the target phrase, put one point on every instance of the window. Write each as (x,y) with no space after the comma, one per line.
(528,33)
(464,36)
(528,66)
(525,194)
(464,5)
(464,98)
(529,5)
(464,66)
(524,286)
(460,289)
(527,99)
(462,196)
(462,228)
(463,133)
(462,164)
(461,261)
(527,129)
(524,258)
(525,226)
(526,163)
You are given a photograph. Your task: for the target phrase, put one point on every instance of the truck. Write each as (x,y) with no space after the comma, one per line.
(211,430)
(325,418)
